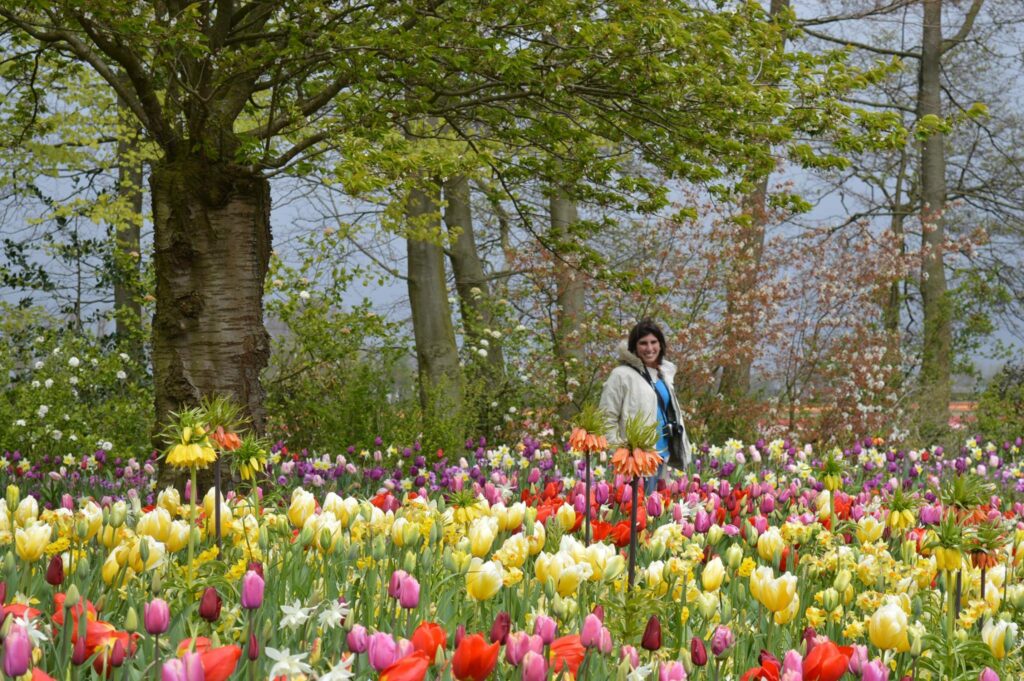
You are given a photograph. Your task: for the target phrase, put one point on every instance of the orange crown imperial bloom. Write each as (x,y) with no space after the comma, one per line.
(227,440)
(583,441)
(635,462)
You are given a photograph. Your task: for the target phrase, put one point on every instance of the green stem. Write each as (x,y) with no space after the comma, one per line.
(191,526)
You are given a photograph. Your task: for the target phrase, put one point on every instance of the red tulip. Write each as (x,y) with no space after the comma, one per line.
(567,652)
(209,605)
(428,637)
(412,667)
(55,571)
(652,634)
(768,671)
(474,658)
(826,662)
(219,663)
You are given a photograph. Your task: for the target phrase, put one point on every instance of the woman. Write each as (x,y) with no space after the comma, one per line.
(642,384)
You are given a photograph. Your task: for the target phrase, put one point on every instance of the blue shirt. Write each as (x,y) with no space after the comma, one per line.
(662,390)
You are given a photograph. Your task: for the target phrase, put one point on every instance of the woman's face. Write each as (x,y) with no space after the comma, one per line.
(647,349)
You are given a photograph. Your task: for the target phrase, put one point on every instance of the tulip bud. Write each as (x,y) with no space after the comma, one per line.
(715,534)
(378,549)
(210,604)
(409,562)
(71,597)
(842,580)
(13,497)
(55,571)
(698,653)
(118,514)
(652,634)
(734,557)
(252,651)
(500,628)
(131,620)
(79,653)
(830,598)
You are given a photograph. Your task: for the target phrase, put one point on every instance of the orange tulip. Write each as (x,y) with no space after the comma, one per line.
(826,662)
(39,675)
(412,667)
(428,637)
(567,652)
(474,658)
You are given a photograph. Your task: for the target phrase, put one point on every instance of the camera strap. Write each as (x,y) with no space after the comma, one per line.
(661,401)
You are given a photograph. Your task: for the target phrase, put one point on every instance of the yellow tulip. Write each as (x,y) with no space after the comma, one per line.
(770,544)
(598,556)
(566,516)
(113,565)
(999,635)
(614,567)
(482,532)
(155,524)
(869,529)
(774,593)
(537,539)
(155,555)
(512,517)
(513,552)
(27,511)
(169,500)
(303,505)
(713,574)
(483,579)
(93,516)
(177,536)
(789,613)
(887,628)
(30,542)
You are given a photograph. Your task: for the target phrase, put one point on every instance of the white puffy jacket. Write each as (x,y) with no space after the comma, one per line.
(626,393)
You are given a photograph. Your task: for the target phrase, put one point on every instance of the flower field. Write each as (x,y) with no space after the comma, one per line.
(768,561)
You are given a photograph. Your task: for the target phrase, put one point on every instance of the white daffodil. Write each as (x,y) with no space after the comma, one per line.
(295,615)
(333,615)
(341,671)
(286,664)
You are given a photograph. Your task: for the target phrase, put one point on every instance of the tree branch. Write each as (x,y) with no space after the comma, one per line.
(862,46)
(306,108)
(965,29)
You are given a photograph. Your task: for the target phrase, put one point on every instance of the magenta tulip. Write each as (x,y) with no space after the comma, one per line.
(156,616)
(252,590)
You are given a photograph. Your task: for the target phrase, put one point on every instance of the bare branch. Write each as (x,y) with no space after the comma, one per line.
(949,43)
(862,46)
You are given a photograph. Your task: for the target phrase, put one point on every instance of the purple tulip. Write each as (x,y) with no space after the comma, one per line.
(987,674)
(395,583)
(721,640)
(654,507)
(500,627)
(156,616)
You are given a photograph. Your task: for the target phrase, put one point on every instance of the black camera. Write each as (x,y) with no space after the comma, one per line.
(673,430)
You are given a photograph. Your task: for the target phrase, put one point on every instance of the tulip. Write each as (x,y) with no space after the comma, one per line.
(252,651)
(875,670)
(210,604)
(55,571)
(395,583)
(671,671)
(357,639)
(409,593)
(999,635)
(156,616)
(590,636)
(483,579)
(987,674)
(382,651)
(410,668)
(500,627)
(713,574)
(252,590)
(474,658)
(827,662)
(428,637)
(31,542)
(792,665)
(535,668)
(859,659)
(17,652)
(887,628)
(546,628)
(652,634)
(631,653)
(604,643)
(721,640)
(79,653)
(516,646)
(698,653)
(654,507)
(775,593)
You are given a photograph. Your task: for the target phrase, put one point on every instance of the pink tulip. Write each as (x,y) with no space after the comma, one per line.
(875,671)
(357,639)
(671,671)
(535,668)
(156,616)
(409,593)
(395,583)
(590,636)
(632,654)
(793,662)
(516,646)
(987,674)
(604,643)
(546,628)
(382,651)
(17,652)
(252,590)
(859,659)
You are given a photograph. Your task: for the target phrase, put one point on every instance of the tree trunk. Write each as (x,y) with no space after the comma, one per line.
(211,252)
(570,301)
(936,357)
(127,307)
(742,286)
(440,376)
(475,304)
(740,295)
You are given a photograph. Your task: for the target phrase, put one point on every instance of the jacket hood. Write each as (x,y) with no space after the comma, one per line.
(668,369)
